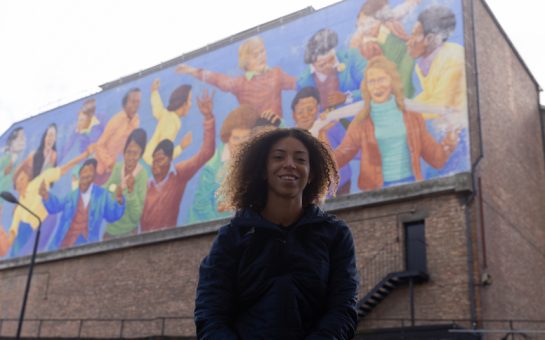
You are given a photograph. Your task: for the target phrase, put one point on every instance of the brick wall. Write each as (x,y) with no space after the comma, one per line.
(513,178)
(159,279)
(445,295)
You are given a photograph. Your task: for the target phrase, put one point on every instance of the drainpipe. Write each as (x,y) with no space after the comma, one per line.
(471,197)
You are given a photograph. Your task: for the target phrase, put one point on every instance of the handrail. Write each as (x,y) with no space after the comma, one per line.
(122,323)
(388,259)
(508,324)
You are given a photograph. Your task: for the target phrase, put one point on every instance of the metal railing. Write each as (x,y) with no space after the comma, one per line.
(388,259)
(100,328)
(504,329)
(494,328)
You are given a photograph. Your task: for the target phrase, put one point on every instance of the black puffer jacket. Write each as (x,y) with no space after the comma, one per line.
(263,281)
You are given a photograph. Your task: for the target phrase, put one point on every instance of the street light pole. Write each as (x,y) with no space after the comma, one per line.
(6,195)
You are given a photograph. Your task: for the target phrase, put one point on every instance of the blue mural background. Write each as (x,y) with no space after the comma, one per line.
(285,47)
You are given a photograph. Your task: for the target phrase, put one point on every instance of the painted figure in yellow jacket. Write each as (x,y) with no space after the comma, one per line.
(169,119)
(23,223)
(440,64)
(440,68)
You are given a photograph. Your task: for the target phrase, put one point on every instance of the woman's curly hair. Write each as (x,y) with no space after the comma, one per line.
(245,186)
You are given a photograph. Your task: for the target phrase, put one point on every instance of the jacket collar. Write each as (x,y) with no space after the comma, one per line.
(250,218)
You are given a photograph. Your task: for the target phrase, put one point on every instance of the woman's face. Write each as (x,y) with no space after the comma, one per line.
(18,145)
(50,137)
(288,169)
(379,84)
(131,156)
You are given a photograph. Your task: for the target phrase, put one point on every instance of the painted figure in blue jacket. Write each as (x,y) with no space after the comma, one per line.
(282,268)
(336,74)
(86,132)
(83,209)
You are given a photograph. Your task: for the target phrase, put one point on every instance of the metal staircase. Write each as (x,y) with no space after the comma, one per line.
(385,287)
(385,271)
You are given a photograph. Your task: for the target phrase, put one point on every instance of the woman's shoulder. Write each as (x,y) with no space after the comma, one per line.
(241,220)
(316,214)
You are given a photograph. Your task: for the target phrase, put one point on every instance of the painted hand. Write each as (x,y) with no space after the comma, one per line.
(186,69)
(205,103)
(43,191)
(155,85)
(272,117)
(91,149)
(119,194)
(336,98)
(451,140)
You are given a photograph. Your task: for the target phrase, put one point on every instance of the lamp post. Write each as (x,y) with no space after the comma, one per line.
(8,196)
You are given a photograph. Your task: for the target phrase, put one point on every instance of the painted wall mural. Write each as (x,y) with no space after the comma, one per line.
(383,82)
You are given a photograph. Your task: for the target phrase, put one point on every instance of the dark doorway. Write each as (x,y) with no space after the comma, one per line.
(415,247)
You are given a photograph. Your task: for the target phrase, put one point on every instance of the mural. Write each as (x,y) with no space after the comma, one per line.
(382,82)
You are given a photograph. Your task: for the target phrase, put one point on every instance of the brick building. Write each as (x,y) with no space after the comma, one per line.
(455,257)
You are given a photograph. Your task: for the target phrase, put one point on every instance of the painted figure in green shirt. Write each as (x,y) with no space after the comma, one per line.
(133,178)
(235,130)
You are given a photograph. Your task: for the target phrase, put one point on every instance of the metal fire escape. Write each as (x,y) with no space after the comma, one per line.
(394,265)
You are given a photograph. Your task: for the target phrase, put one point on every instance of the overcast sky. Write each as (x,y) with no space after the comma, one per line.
(56,51)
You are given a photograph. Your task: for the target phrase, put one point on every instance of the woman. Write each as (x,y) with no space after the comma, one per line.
(392,140)
(43,159)
(282,268)
(133,178)
(46,155)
